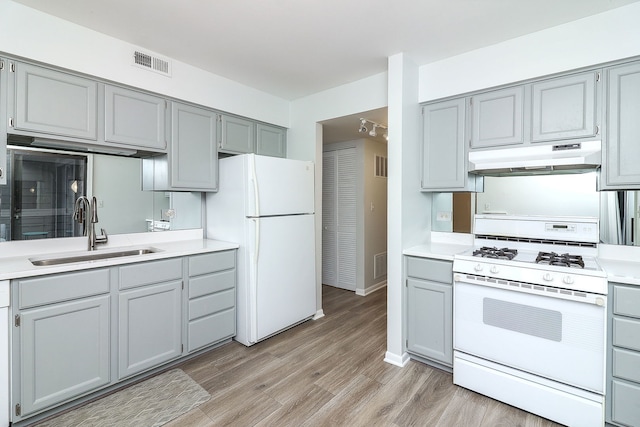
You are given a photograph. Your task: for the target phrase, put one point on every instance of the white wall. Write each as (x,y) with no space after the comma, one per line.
(41,37)
(600,38)
(409,219)
(304,141)
(374,212)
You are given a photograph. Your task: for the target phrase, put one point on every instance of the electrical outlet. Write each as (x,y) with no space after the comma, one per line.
(443,216)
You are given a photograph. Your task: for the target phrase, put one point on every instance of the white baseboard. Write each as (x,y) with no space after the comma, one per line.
(398,360)
(371,289)
(319,315)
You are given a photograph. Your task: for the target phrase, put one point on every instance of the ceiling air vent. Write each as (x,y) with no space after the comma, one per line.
(153,63)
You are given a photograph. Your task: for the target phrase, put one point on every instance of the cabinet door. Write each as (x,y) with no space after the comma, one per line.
(149,330)
(194,155)
(443,153)
(496,118)
(430,320)
(564,107)
(54,102)
(4,72)
(63,352)
(271,141)
(134,118)
(236,135)
(625,403)
(621,165)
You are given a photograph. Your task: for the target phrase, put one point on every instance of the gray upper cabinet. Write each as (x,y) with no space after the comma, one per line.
(497,118)
(237,135)
(54,102)
(134,118)
(3,123)
(444,157)
(621,154)
(430,309)
(271,141)
(564,107)
(194,155)
(192,161)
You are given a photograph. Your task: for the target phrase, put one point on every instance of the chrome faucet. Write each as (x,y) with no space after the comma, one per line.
(81,212)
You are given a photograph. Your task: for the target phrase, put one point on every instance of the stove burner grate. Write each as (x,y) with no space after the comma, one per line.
(564,260)
(493,252)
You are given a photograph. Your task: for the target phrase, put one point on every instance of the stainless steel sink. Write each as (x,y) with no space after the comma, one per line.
(89,256)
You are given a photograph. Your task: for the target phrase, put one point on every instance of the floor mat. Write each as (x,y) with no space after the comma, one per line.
(151,403)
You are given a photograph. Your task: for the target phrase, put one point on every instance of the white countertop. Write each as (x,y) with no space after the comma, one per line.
(621,263)
(14,256)
(442,246)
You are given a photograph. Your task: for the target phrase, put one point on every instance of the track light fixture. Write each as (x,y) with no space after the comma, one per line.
(373,132)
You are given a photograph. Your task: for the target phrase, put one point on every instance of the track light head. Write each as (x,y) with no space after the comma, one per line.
(363,128)
(373,130)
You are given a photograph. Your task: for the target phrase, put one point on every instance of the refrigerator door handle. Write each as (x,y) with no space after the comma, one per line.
(254,179)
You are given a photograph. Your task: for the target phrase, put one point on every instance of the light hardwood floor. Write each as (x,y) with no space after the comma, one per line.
(330,372)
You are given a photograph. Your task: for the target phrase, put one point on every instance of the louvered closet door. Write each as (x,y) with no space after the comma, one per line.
(339,219)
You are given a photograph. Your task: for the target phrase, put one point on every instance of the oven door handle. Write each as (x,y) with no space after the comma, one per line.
(595,299)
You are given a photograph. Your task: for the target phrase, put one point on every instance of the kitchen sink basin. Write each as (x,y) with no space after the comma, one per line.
(90,256)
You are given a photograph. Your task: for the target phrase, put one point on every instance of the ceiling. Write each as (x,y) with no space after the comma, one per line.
(294,48)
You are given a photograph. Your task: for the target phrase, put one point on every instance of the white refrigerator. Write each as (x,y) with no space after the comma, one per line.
(266,205)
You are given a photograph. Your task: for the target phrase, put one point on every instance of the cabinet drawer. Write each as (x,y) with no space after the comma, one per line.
(146,273)
(211,329)
(209,263)
(430,269)
(213,303)
(626,301)
(62,287)
(625,403)
(626,333)
(210,283)
(626,364)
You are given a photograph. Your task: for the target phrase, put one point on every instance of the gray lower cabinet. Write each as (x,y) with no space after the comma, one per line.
(497,118)
(53,102)
(212,299)
(237,135)
(430,309)
(564,107)
(271,141)
(623,358)
(444,156)
(620,165)
(149,315)
(134,118)
(79,334)
(61,339)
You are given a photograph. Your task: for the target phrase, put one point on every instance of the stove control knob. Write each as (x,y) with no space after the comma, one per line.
(599,301)
(494,269)
(478,267)
(568,280)
(547,277)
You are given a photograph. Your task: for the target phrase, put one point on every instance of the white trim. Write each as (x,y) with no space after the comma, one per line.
(371,289)
(397,360)
(319,315)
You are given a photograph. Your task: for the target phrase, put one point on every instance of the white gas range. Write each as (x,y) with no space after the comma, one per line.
(530,316)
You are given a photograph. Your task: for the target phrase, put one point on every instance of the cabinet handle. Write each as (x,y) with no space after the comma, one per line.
(1,172)
(597,130)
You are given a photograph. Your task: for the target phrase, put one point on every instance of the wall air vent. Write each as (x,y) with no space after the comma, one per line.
(151,62)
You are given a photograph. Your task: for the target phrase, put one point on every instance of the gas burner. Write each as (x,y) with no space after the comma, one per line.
(564,260)
(493,252)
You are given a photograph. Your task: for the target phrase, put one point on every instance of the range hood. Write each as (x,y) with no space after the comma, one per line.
(61,144)
(537,159)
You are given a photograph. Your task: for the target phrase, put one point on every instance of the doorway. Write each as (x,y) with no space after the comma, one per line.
(354,204)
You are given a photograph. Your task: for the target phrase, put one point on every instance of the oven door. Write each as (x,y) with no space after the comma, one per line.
(561,339)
